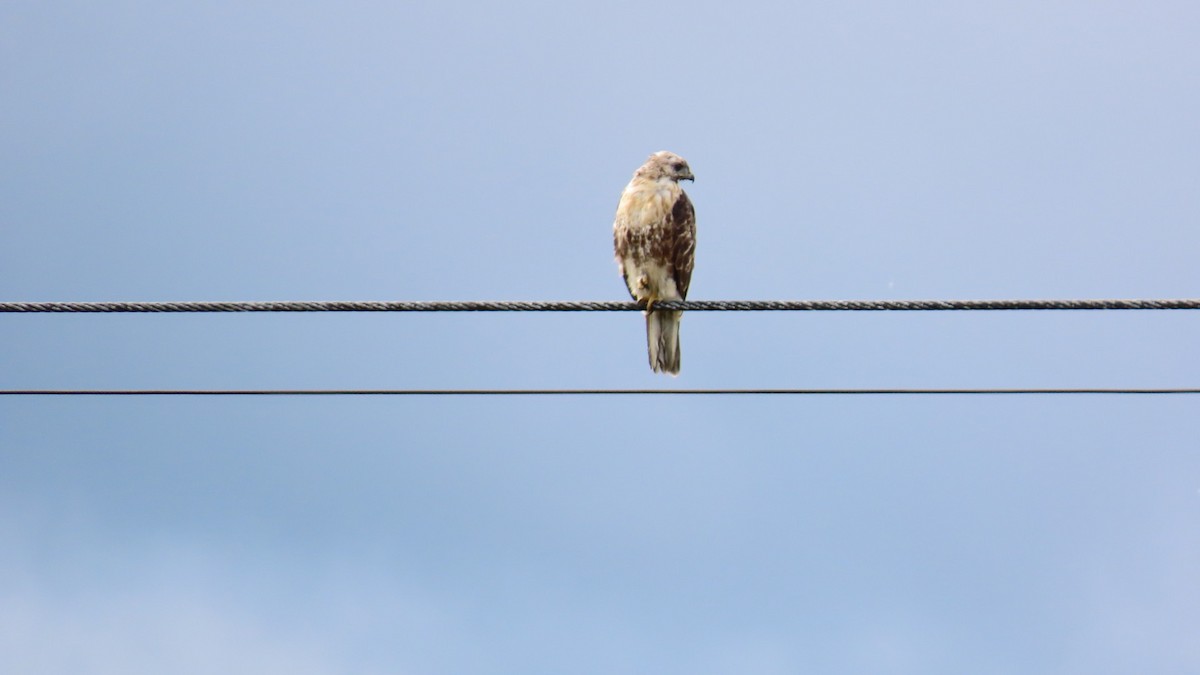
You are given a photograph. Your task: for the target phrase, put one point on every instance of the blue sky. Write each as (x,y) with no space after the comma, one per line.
(455,151)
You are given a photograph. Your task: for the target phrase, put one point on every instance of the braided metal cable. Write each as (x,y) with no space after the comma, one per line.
(594,306)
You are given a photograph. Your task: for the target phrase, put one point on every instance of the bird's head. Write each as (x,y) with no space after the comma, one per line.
(667,165)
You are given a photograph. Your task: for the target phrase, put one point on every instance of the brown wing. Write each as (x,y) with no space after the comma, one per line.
(682,226)
(623,242)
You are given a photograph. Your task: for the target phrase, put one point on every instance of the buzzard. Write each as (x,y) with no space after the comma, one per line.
(654,235)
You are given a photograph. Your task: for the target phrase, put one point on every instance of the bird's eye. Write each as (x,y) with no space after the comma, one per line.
(678,166)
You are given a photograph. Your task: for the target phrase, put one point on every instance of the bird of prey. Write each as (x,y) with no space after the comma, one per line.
(654,235)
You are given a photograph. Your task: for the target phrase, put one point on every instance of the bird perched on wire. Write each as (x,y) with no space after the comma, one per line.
(654,235)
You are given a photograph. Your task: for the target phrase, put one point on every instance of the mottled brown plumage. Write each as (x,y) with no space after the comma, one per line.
(654,235)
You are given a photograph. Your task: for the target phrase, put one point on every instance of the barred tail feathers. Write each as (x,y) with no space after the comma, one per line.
(662,340)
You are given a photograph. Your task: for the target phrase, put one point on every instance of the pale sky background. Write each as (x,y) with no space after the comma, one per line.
(455,151)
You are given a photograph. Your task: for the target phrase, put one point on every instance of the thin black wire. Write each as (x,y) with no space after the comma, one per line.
(595,392)
(595,306)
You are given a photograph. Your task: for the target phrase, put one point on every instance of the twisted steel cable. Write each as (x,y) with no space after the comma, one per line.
(595,306)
